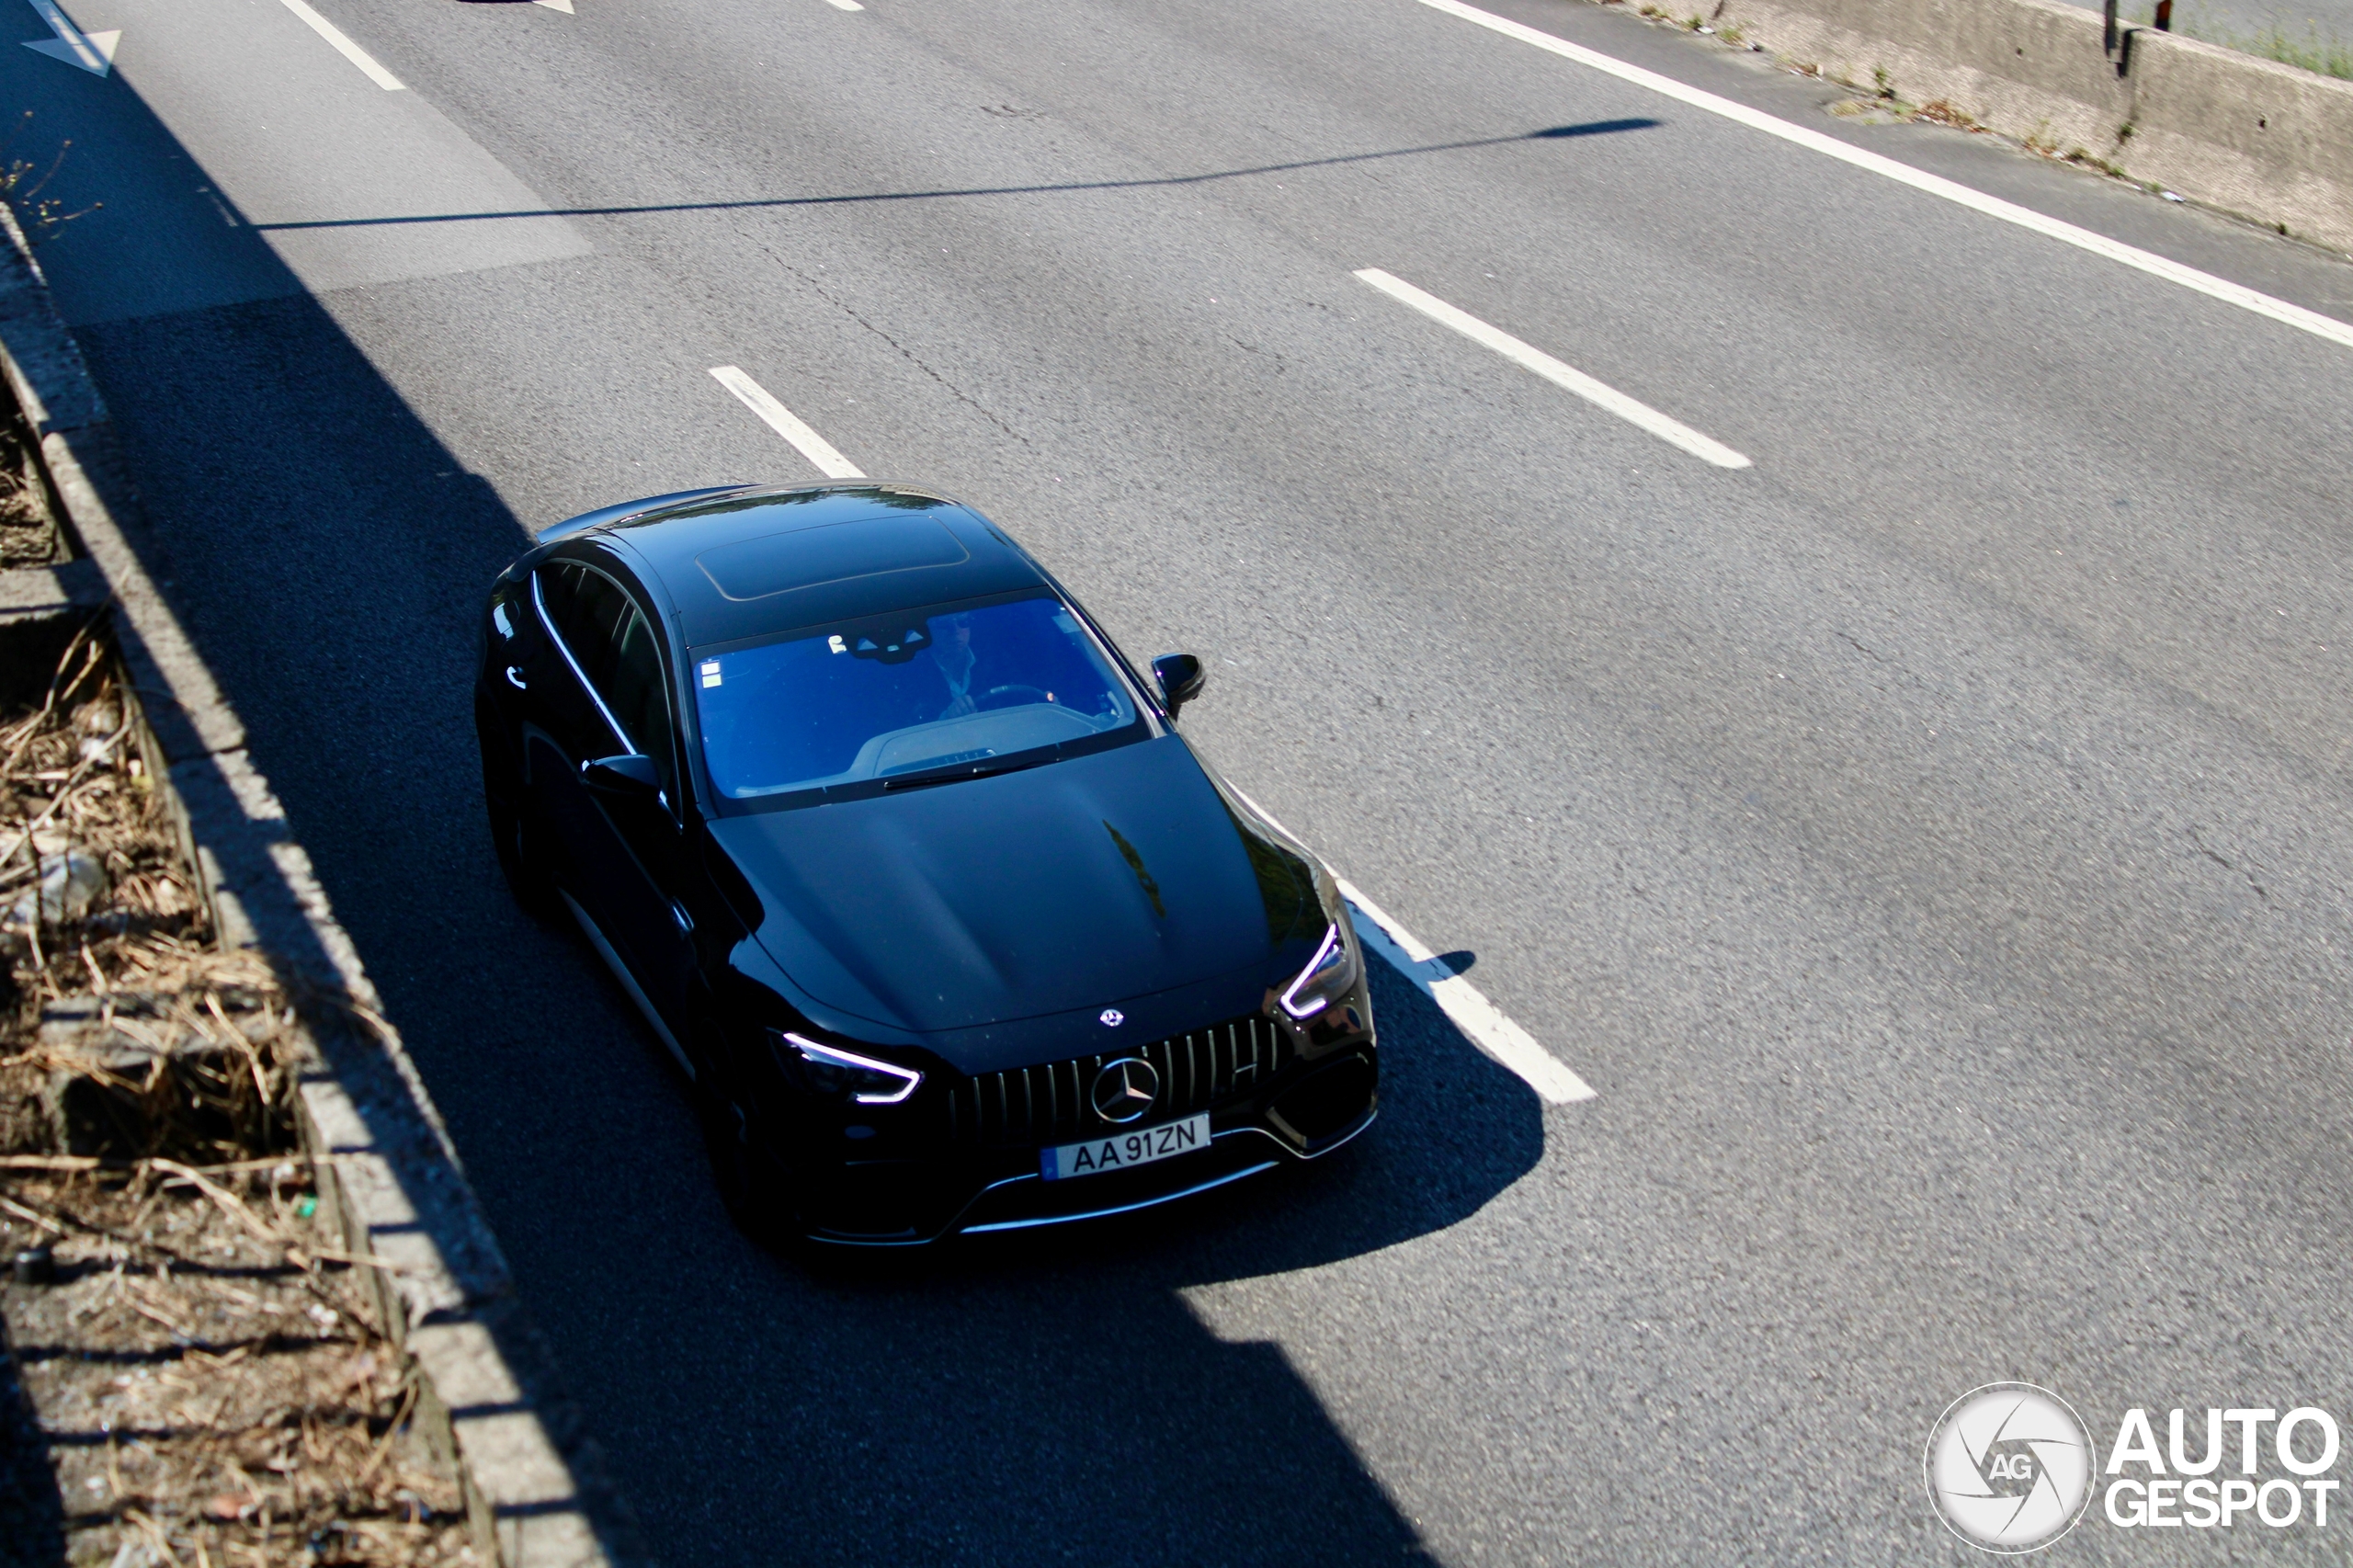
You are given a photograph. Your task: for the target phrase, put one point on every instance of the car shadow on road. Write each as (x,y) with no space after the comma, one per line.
(1053,1393)
(1052,1396)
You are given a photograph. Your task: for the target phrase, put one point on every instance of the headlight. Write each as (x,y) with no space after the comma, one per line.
(829,1070)
(1329,975)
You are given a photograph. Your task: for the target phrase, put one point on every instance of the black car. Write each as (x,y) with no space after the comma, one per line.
(908,868)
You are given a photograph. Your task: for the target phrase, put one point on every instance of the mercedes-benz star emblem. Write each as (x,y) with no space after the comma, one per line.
(1125,1089)
(1112,1017)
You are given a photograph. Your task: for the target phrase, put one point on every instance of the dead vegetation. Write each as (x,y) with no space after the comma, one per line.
(27,538)
(190,1358)
(23,183)
(210,1383)
(94,900)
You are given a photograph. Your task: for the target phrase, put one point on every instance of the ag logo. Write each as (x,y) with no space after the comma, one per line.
(2009,1467)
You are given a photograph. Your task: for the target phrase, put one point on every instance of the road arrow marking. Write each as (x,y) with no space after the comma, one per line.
(93,53)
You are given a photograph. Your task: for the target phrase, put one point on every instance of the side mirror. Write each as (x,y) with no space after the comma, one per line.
(621,777)
(1181,679)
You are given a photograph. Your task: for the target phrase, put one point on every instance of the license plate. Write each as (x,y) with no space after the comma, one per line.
(1121,1149)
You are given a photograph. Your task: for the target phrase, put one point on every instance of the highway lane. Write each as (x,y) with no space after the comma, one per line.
(1929,842)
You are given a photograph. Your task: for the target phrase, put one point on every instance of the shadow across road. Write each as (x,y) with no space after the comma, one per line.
(1042,1397)
(1158,182)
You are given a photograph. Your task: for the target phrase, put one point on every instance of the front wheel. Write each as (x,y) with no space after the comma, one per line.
(750,1184)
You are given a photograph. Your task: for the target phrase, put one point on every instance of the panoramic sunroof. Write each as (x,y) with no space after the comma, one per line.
(805,558)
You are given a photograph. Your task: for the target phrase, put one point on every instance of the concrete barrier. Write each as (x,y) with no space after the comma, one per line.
(537,1491)
(2266,141)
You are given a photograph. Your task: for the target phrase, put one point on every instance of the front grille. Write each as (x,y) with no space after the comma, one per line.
(1048,1104)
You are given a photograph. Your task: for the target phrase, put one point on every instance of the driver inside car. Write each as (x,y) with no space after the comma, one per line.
(951,650)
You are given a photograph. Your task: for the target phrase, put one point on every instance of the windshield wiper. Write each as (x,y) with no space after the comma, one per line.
(957,775)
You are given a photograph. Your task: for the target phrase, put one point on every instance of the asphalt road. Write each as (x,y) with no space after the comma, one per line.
(1930,841)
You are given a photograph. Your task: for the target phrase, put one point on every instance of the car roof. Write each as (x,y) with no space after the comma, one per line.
(753,563)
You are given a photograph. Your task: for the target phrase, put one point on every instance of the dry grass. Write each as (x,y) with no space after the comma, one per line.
(23,182)
(127,932)
(27,538)
(210,1385)
(1938,111)
(2326,54)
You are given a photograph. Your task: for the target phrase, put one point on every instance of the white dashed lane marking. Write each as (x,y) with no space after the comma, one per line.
(344,47)
(1483,1023)
(1568,377)
(786,423)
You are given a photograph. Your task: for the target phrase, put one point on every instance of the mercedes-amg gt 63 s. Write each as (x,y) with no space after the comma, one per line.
(950,928)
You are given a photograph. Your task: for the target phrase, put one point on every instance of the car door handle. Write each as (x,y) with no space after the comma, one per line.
(515,678)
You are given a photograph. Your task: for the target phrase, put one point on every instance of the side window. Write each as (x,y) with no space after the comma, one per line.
(636,693)
(557,586)
(592,624)
(616,648)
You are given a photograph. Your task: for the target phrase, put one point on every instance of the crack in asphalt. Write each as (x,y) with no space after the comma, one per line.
(2260,889)
(950,388)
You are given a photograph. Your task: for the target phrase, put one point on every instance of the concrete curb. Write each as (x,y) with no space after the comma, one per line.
(537,1491)
(2250,136)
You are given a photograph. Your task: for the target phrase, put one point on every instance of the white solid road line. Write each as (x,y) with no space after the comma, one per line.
(344,47)
(1481,1021)
(846,5)
(1672,431)
(786,423)
(2206,283)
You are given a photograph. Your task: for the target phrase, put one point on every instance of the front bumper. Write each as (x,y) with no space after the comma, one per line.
(1300,1114)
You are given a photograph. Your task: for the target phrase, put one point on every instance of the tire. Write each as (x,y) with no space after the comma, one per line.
(520,858)
(750,1184)
(520,853)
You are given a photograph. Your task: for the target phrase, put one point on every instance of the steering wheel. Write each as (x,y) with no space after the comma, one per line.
(1009,696)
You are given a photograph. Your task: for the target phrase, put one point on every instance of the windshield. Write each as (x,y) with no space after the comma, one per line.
(920,689)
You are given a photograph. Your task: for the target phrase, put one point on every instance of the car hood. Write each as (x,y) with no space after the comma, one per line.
(1079,884)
